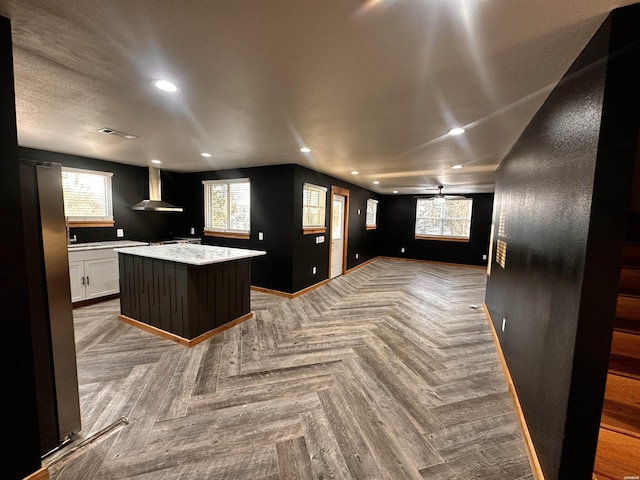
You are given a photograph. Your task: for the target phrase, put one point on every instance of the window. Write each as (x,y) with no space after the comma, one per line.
(444,219)
(314,200)
(227,208)
(87,197)
(372,214)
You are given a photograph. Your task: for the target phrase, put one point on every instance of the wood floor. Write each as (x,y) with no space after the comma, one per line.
(384,373)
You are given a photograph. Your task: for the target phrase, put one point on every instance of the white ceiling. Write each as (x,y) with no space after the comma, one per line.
(371,86)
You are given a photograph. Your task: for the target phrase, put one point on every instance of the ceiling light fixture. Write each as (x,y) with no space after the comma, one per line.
(165,85)
(305,149)
(456,131)
(376,182)
(156,161)
(395,191)
(457,166)
(355,172)
(205,155)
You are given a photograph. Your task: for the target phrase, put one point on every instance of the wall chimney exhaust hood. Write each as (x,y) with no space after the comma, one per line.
(155,203)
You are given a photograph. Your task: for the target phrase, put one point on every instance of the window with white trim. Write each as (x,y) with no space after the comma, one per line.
(87,197)
(227,207)
(443,218)
(372,214)
(314,204)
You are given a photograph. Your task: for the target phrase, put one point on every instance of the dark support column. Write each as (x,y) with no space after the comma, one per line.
(22,452)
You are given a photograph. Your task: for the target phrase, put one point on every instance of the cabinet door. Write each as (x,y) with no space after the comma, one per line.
(101,277)
(76,280)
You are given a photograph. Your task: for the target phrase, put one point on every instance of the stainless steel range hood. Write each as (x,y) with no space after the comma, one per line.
(155,203)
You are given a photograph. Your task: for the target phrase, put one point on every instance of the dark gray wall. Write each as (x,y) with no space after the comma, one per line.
(276,210)
(271,214)
(130,185)
(306,253)
(397,230)
(562,195)
(21,454)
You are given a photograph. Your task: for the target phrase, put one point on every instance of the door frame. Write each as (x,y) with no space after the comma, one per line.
(345,227)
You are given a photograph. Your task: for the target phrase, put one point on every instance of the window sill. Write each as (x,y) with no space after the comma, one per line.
(313,230)
(371,227)
(241,236)
(88,223)
(442,238)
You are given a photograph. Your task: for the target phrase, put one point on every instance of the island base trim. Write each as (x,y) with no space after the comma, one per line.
(185,342)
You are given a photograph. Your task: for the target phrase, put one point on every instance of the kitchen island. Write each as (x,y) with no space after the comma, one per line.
(185,292)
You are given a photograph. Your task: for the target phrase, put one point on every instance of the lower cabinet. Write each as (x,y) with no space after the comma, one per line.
(93,274)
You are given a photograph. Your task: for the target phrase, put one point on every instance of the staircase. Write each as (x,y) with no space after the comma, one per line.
(618,453)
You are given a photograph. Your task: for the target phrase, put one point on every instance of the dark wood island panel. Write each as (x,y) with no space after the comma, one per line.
(183,299)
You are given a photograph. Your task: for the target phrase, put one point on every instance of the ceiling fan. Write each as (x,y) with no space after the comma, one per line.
(442,196)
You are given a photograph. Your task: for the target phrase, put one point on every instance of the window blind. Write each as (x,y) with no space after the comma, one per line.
(87,195)
(314,200)
(227,205)
(443,217)
(372,213)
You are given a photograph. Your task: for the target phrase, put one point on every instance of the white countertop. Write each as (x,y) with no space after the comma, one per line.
(78,247)
(192,254)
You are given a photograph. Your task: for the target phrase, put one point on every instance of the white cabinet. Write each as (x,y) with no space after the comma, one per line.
(93,274)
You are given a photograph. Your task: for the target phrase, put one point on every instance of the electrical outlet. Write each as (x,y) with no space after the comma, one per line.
(484,257)
(119,232)
(504,323)
(357,255)
(320,239)
(402,250)
(313,270)
(193,230)
(358,211)
(260,236)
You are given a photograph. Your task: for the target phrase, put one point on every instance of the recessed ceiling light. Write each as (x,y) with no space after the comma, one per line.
(305,149)
(376,182)
(165,85)
(395,191)
(205,154)
(156,161)
(355,172)
(456,166)
(456,131)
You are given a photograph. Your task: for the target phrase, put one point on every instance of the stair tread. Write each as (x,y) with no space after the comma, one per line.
(621,408)
(617,456)
(624,366)
(628,307)
(625,344)
(621,418)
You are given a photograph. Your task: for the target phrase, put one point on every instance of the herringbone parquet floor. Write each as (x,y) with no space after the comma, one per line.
(384,373)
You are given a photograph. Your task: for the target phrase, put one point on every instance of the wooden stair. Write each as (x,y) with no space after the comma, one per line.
(618,453)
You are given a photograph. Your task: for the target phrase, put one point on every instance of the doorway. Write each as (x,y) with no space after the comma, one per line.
(339,231)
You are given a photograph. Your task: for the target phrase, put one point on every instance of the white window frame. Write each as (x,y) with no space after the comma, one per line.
(441,235)
(106,198)
(371,219)
(309,191)
(227,231)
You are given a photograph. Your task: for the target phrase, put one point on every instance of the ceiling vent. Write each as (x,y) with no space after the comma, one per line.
(117,133)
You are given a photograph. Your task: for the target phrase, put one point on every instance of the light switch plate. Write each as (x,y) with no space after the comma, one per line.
(120,232)
(260,236)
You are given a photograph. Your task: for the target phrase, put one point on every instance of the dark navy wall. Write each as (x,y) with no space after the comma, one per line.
(397,231)
(561,203)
